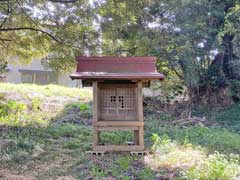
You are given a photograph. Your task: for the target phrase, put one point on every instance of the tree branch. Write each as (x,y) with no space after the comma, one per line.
(2,39)
(63,1)
(6,18)
(32,29)
(60,1)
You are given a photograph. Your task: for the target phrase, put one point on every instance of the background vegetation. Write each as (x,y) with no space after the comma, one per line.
(46,131)
(192,128)
(195,41)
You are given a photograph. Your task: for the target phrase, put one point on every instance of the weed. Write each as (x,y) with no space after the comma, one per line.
(36,102)
(72,144)
(48,90)
(98,172)
(216,166)
(115,137)
(126,178)
(67,130)
(212,138)
(169,154)
(146,174)
(124,162)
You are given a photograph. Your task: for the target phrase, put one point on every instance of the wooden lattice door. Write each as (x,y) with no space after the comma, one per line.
(118,102)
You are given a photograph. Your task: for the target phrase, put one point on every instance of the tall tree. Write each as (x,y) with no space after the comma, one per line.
(56,30)
(195,39)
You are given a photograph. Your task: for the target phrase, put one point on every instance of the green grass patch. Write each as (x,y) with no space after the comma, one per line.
(228,117)
(116,137)
(212,138)
(191,162)
(47,90)
(57,147)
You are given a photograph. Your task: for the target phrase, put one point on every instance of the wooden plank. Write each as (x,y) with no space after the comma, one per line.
(140,101)
(118,123)
(110,86)
(141,136)
(95,101)
(118,148)
(136,137)
(130,117)
(132,128)
(96,136)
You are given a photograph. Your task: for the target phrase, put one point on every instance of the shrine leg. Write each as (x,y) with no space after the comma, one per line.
(96,136)
(136,137)
(141,136)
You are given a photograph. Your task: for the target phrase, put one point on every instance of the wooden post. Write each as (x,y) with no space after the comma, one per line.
(95,114)
(140,113)
(141,137)
(140,100)
(136,137)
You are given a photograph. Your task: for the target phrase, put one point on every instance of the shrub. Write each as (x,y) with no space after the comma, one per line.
(72,144)
(146,174)
(216,166)
(170,154)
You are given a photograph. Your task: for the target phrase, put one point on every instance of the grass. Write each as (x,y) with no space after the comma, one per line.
(47,91)
(227,117)
(30,104)
(52,145)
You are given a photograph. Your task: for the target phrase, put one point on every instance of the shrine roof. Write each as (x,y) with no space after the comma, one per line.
(127,68)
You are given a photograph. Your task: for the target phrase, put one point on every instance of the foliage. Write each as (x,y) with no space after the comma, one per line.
(124,162)
(216,166)
(13,113)
(47,91)
(50,30)
(81,107)
(177,152)
(210,138)
(116,137)
(146,174)
(196,41)
(97,172)
(195,164)
(227,117)
(234,90)
(30,110)
(188,37)
(3,66)
(169,154)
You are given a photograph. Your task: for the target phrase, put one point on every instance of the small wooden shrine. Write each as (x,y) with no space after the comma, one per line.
(117,95)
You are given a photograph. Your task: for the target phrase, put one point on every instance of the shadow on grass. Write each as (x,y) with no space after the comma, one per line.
(58,149)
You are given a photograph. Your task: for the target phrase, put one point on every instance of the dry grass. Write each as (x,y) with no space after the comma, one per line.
(179,157)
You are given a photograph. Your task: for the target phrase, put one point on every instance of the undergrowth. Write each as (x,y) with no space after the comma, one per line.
(50,147)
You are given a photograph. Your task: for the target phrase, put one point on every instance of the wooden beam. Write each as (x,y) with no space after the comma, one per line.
(95,113)
(136,137)
(118,148)
(118,123)
(123,128)
(96,136)
(140,101)
(141,136)
(95,101)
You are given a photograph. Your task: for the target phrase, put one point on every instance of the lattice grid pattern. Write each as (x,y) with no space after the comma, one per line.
(118,103)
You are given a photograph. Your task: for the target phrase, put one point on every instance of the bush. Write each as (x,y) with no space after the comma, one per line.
(216,166)
(212,138)
(170,154)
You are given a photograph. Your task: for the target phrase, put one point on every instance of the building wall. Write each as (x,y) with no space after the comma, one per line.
(14,75)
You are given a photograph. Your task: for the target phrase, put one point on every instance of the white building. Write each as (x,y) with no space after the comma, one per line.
(37,74)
